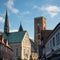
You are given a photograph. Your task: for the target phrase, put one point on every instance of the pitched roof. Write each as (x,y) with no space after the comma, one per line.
(56,28)
(14,37)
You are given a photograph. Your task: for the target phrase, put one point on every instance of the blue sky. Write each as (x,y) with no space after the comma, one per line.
(24,12)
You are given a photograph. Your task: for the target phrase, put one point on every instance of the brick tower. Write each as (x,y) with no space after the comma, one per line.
(39,24)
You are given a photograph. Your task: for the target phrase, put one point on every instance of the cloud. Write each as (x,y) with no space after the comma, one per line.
(1,19)
(10,5)
(15,30)
(51,9)
(52,14)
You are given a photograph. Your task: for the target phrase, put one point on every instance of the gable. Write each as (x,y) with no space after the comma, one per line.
(26,40)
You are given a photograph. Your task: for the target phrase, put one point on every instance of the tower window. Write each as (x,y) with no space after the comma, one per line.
(38,36)
(38,29)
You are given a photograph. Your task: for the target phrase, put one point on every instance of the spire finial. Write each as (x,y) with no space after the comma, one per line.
(20,28)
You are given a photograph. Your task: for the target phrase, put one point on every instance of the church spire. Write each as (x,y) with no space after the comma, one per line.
(20,28)
(6,25)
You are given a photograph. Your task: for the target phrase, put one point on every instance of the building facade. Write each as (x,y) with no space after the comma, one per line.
(21,46)
(53,44)
(6,53)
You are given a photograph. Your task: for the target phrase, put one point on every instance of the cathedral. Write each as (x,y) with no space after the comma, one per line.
(19,41)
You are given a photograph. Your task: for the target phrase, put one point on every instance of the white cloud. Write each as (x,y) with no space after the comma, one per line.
(15,30)
(52,14)
(51,9)
(10,5)
(14,10)
(1,19)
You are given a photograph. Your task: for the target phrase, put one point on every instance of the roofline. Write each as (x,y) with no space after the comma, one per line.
(46,30)
(18,31)
(53,30)
(40,17)
(31,40)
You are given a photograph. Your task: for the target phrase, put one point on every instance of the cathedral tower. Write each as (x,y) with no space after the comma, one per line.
(39,24)
(6,24)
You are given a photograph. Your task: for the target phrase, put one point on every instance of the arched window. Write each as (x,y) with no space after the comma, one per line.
(17,52)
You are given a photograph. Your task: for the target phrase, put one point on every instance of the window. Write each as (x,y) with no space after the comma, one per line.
(38,36)
(38,29)
(57,39)
(50,43)
(16,51)
(47,47)
(53,41)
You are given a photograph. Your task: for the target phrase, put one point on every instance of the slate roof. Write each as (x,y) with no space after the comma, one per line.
(14,37)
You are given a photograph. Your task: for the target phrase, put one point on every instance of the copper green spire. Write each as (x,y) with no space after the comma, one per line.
(20,28)
(6,25)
